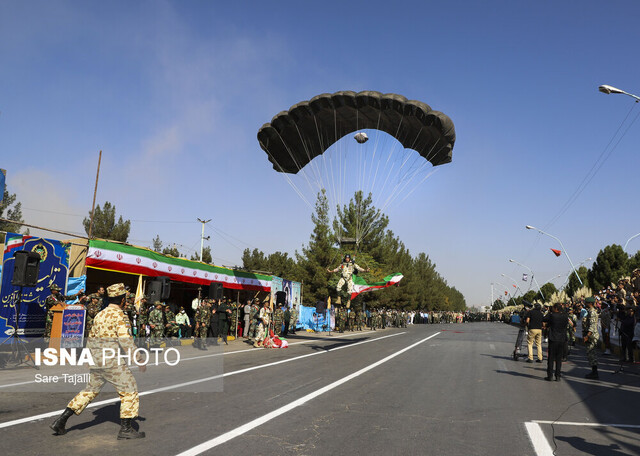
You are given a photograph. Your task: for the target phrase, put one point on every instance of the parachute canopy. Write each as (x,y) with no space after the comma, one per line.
(295,137)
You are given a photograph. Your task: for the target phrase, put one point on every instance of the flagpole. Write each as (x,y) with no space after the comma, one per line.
(529,227)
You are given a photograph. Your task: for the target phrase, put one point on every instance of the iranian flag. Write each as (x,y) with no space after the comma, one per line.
(360,286)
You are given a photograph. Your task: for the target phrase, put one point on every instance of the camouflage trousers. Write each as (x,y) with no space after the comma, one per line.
(592,353)
(252,329)
(157,335)
(122,380)
(48,323)
(201,333)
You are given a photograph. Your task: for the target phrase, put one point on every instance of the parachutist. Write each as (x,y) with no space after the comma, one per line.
(347,268)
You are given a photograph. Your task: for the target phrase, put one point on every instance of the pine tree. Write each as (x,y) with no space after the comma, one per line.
(105,225)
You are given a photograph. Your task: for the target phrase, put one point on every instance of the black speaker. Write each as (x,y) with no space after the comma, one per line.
(154,291)
(321,307)
(281,298)
(25,269)
(216,290)
(166,287)
(159,289)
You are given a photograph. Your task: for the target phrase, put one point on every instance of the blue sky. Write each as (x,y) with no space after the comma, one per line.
(174,93)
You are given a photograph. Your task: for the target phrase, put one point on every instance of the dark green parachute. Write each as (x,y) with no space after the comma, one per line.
(307,129)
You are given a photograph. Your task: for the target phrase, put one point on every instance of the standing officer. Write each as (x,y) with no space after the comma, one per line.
(111,329)
(590,336)
(203,319)
(53,299)
(224,313)
(156,324)
(246,314)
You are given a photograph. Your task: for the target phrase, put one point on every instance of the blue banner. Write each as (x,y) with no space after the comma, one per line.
(73,319)
(309,319)
(54,268)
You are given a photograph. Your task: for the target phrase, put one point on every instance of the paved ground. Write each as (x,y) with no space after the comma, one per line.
(424,390)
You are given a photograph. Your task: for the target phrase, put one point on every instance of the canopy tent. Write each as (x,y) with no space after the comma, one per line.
(118,257)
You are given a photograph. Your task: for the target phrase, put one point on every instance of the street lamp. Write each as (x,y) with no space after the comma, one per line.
(609,89)
(533,277)
(627,243)
(529,227)
(566,281)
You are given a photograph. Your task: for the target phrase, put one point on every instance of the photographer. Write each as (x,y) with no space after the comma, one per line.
(534,323)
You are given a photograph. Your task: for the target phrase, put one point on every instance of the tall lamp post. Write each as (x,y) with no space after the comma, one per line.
(609,90)
(529,227)
(566,281)
(533,277)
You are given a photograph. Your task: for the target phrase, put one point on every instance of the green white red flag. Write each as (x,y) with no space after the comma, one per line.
(361,286)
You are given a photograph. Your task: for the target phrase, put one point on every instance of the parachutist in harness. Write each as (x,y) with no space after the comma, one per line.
(347,268)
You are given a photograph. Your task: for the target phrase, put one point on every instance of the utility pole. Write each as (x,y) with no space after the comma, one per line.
(95,191)
(202,238)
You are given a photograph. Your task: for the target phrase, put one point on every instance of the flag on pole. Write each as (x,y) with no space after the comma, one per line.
(524,277)
(556,252)
(139,293)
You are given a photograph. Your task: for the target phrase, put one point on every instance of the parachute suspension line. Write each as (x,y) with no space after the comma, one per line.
(375,149)
(291,183)
(293,158)
(407,181)
(389,157)
(313,166)
(324,162)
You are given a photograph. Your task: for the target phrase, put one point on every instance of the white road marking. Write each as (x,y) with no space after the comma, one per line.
(193,382)
(502,366)
(540,443)
(282,410)
(248,350)
(574,423)
(492,347)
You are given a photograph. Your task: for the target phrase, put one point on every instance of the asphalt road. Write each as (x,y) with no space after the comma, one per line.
(425,390)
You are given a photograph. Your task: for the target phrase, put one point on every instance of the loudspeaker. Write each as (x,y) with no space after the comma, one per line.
(216,290)
(25,269)
(281,298)
(159,289)
(321,307)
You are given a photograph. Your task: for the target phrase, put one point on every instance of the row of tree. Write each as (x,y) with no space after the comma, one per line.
(376,248)
(612,264)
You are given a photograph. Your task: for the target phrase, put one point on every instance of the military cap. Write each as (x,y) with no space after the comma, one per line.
(157,303)
(590,299)
(115,290)
(54,287)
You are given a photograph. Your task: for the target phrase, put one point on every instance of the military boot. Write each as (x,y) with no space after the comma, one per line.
(594,373)
(127,432)
(59,424)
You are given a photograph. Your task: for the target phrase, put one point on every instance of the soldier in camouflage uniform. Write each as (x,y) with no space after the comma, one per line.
(156,324)
(590,336)
(93,308)
(203,320)
(352,320)
(294,320)
(99,295)
(110,330)
(53,299)
(130,306)
(347,269)
(342,319)
(278,320)
(142,320)
(253,319)
(171,328)
(360,320)
(233,318)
